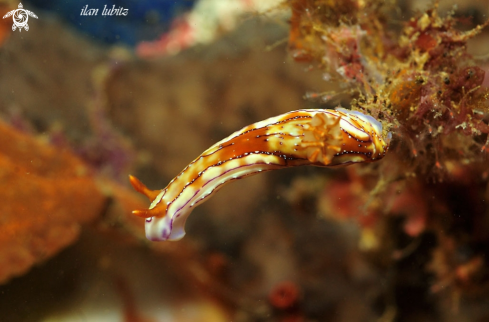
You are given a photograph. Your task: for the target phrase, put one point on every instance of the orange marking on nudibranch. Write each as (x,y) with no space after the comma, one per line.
(303,137)
(147,213)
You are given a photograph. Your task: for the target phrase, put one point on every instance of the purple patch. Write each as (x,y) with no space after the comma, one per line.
(164,234)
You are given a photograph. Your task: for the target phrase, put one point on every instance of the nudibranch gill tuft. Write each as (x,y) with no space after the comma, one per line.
(304,137)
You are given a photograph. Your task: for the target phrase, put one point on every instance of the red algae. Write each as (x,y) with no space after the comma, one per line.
(418,79)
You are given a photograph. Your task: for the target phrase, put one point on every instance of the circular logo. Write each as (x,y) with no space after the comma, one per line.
(20,18)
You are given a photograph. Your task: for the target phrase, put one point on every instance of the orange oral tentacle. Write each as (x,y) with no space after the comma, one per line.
(141,188)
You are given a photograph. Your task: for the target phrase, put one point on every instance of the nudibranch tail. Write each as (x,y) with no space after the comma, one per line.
(303,137)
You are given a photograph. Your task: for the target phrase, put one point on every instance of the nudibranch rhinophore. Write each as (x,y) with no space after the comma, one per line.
(304,137)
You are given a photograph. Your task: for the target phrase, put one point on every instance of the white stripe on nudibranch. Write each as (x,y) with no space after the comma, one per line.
(303,137)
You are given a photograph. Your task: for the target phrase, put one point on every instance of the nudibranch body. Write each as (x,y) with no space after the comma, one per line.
(302,137)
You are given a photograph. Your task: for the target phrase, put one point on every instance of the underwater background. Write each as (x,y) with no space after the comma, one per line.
(87,100)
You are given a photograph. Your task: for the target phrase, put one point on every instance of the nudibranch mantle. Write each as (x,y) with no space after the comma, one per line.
(304,137)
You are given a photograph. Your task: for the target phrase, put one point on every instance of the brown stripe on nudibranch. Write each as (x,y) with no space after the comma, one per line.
(303,137)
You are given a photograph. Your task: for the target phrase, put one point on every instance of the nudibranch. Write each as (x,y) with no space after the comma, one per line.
(303,137)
